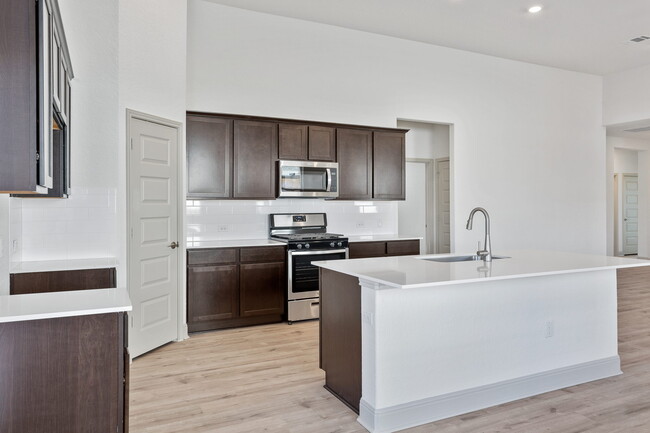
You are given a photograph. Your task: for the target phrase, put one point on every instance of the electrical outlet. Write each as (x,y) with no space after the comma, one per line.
(550,328)
(360,225)
(14,246)
(222,228)
(380,223)
(368,318)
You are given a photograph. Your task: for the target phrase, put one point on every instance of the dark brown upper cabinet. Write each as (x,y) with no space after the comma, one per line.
(254,159)
(293,142)
(322,143)
(34,99)
(354,155)
(209,157)
(388,166)
(307,143)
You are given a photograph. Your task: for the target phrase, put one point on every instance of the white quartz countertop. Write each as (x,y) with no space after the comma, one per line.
(62,265)
(379,238)
(16,308)
(233,243)
(412,271)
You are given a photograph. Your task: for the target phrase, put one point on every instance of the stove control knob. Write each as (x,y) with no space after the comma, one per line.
(307,246)
(332,244)
(299,246)
(340,244)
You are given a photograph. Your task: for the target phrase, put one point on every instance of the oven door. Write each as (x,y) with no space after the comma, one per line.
(303,276)
(308,179)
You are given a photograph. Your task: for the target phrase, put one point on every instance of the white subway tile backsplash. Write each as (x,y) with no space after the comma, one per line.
(248,219)
(82,226)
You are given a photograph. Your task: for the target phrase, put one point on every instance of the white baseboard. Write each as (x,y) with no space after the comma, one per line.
(390,419)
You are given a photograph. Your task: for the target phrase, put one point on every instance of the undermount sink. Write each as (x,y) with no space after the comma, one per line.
(448,259)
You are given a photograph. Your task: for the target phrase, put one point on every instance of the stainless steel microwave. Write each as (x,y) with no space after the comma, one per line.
(308,179)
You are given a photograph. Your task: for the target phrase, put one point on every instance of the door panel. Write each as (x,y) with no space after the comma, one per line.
(388,166)
(354,155)
(255,153)
(443,208)
(630,214)
(209,157)
(262,289)
(153,270)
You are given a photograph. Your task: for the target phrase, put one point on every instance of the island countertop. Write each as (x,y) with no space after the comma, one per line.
(16,308)
(407,272)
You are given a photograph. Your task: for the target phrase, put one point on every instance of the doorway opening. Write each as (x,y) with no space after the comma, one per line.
(427,210)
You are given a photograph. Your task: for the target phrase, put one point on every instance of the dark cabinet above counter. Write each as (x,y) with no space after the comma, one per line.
(35,97)
(235,157)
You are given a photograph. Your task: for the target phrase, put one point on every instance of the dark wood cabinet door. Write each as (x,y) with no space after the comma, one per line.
(322,143)
(209,157)
(354,155)
(212,293)
(403,248)
(361,250)
(262,288)
(62,281)
(292,142)
(62,375)
(255,150)
(388,166)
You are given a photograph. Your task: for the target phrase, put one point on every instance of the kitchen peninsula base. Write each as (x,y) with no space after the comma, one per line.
(408,354)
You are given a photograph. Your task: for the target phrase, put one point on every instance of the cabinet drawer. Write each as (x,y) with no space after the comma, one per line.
(403,248)
(220,255)
(359,250)
(262,254)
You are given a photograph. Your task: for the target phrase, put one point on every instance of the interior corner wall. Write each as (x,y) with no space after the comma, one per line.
(643,149)
(152,77)
(528,142)
(626,96)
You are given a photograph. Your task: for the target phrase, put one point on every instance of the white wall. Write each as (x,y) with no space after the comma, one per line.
(152,47)
(615,147)
(626,161)
(426,140)
(626,96)
(84,225)
(528,140)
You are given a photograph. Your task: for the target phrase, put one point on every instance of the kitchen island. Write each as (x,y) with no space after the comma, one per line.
(407,341)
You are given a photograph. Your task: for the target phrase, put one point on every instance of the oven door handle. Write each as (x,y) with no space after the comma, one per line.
(314,252)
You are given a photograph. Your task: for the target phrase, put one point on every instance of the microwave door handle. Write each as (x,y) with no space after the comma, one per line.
(329,180)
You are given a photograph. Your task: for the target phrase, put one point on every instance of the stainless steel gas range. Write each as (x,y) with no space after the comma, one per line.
(307,241)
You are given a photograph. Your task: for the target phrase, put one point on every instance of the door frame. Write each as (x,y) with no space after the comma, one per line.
(181,326)
(437,161)
(429,193)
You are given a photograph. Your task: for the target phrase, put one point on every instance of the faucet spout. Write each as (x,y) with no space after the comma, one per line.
(486,252)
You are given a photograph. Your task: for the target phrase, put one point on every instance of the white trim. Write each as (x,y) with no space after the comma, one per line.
(431,409)
(429,193)
(436,198)
(181,333)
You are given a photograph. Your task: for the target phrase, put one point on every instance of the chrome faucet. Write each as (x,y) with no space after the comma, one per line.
(486,252)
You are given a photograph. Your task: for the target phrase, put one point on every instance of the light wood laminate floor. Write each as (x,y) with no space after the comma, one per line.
(266,379)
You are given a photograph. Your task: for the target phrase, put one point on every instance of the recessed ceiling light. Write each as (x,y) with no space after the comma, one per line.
(534,9)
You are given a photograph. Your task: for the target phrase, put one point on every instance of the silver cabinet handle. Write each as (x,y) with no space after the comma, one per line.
(174,245)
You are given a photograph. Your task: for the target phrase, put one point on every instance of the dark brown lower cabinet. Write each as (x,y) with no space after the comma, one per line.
(261,287)
(231,287)
(362,250)
(62,281)
(64,375)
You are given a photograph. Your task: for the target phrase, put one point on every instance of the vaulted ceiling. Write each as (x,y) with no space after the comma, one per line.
(591,36)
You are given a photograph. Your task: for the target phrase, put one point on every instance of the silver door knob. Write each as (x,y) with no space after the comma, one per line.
(174,245)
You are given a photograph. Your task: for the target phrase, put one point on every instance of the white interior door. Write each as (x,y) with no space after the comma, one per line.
(630,214)
(443,216)
(412,212)
(153,221)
